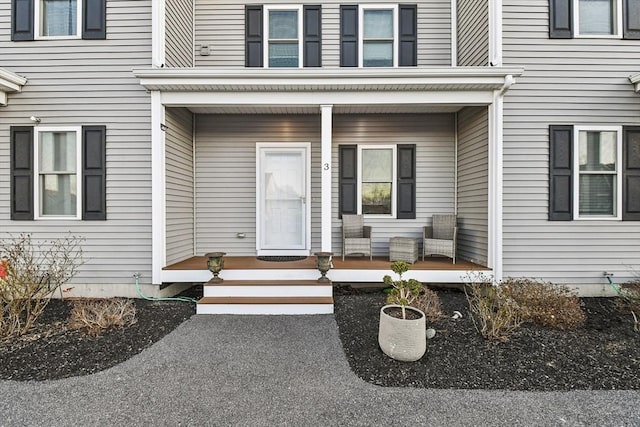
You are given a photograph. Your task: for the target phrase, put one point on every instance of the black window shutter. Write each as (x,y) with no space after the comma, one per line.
(253,52)
(408,35)
(406,181)
(21,172)
(349,36)
(560,173)
(348,179)
(94,173)
(21,20)
(631,174)
(560,19)
(312,49)
(631,16)
(94,19)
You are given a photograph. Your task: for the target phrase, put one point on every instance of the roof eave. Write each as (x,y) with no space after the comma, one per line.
(9,83)
(635,80)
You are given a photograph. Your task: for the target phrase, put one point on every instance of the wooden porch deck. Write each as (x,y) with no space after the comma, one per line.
(350,263)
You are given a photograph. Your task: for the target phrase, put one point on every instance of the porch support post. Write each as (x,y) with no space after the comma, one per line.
(158,217)
(494,256)
(326,138)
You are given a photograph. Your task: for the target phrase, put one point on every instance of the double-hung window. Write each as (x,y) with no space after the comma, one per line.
(283,26)
(58,18)
(597,184)
(57,186)
(377,180)
(378,36)
(594,19)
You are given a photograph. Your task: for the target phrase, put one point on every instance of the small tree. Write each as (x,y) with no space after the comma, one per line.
(29,274)
(404,292)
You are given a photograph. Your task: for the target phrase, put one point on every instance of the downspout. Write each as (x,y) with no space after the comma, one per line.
(193,180)
(455,166)
(454,33)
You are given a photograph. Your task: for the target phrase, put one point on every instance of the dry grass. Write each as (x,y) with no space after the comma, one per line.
(630,293)
(429,302)
(545,303)
(495,315)
(97,315)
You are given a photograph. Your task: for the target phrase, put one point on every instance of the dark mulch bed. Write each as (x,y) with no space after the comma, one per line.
(603,354)
(54,351)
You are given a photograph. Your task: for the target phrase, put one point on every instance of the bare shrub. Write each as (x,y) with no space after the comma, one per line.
(98,315)
(429,303)
(630,293)
(545,303)
(31,272)
(495,315)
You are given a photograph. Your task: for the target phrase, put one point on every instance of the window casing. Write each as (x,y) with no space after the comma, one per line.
(283,30)
(378,35)
(57,160)
(598,18)
(598,164)
(377,179)
(58,19)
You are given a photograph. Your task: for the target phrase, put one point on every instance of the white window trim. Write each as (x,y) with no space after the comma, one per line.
(361,9)
(265,31)
(36,167)
(394,176)
(37,25)
(576,175)
(618,23)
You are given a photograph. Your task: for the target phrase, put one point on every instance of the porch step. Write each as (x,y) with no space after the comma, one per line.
(268,288)
(265,305)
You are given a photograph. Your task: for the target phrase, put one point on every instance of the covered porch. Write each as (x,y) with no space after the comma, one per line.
(209,128)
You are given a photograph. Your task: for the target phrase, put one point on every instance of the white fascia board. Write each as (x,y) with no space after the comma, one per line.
(186,99)
(469,78)
(635,80)
(10,82)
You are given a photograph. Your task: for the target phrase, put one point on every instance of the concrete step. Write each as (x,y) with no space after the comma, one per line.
(265,305)
(268,288)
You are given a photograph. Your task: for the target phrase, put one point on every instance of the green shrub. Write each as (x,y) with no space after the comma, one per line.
(404,292)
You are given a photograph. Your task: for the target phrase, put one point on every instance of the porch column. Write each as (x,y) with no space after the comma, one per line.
(495,185)
(158,219)
(326,136)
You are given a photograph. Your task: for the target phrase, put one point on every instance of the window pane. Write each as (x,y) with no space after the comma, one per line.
(57,152)
(597,150)
(283,24)
(378,24)
(378,54)
(59,17)
(58,194)
(596,17)
(376,198)
(377,165)
(283,54)
(597,195)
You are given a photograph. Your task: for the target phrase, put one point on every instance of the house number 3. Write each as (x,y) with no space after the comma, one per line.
(325,166)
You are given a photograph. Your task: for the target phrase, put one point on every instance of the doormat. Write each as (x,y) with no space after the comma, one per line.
(281,258)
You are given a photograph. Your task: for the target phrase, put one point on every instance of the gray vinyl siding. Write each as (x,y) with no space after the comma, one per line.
(473,32)
(226,176)
(473,184)
(569,81)
(179,185)
(179,33)
(433,135)
(89,82)
(220,25)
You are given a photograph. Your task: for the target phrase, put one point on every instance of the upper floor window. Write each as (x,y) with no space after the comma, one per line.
(594,19)
(278,36)
(58,18)
(283,25)
(378,35)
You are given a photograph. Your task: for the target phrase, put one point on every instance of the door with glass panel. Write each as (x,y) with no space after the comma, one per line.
(282,202)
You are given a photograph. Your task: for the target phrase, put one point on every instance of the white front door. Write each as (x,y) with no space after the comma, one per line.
(282,199)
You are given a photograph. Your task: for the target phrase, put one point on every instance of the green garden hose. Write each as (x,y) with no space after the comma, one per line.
(143,296)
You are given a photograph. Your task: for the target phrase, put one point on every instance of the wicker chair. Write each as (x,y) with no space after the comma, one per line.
(440,238)
(356,237)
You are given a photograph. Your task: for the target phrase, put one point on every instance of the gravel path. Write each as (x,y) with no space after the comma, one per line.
(227,370)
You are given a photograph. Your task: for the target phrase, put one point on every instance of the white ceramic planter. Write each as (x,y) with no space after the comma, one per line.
(401,339)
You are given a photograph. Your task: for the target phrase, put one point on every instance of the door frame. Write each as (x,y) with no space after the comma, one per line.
(307,209)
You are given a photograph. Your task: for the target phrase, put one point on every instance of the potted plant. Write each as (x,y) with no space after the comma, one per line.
(402,331)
